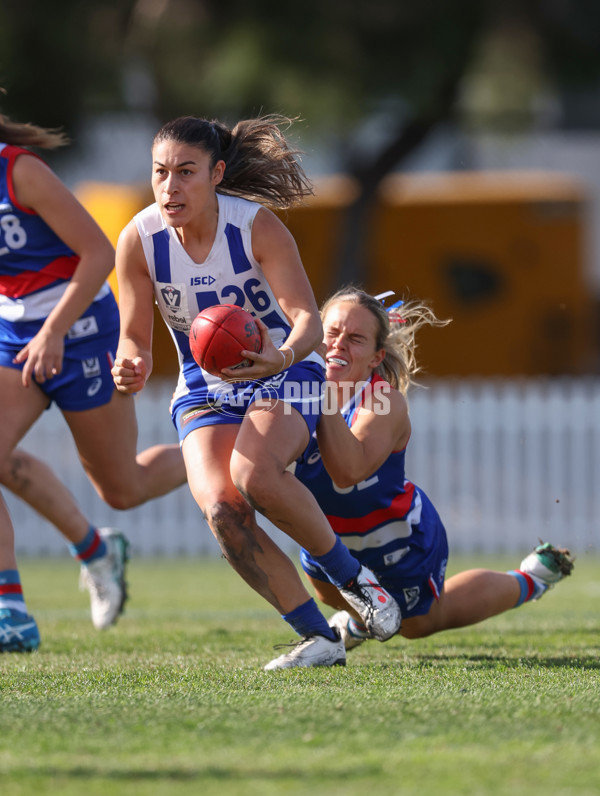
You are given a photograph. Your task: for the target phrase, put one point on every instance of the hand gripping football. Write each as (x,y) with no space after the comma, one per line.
(218,334)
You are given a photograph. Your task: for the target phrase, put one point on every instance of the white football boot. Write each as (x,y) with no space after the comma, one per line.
(375,606)
(311,651)
(104,578)
(547,565)
(343,622)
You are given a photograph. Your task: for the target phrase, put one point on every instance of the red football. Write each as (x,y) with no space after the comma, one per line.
(218,335)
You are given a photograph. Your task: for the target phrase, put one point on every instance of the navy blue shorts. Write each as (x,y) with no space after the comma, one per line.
(300,388)
(417,579)
(85,381)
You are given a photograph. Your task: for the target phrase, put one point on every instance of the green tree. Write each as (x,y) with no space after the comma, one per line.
(60,62)
(371,80)
(343,63)
(334,64)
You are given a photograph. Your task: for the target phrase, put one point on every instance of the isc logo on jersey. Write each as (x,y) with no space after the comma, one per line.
(202,280)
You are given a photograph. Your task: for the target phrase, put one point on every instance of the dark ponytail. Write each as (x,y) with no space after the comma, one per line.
(259,163)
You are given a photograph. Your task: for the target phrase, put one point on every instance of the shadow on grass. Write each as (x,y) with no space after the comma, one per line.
(491,661)
(89,773)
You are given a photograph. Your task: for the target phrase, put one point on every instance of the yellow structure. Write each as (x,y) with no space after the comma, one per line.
(499,253)
(503,255)
(112,206)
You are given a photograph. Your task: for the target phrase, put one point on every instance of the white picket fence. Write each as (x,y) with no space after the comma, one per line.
(505,462)
(508,462)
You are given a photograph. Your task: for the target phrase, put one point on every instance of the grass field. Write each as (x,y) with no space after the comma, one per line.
(173,700)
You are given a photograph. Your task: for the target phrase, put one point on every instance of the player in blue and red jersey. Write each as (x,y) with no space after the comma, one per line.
(355,470)
(59,328)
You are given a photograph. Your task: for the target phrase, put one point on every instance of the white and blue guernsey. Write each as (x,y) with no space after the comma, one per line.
(183,288)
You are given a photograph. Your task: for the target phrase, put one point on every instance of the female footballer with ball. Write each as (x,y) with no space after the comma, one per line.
(205,241)
(59,328)
(356,473)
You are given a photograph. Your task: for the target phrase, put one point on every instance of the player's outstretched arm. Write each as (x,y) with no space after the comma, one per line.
(133,364)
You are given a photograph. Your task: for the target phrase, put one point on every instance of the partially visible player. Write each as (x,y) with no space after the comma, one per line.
(356,473)
(206,240)
(59,327)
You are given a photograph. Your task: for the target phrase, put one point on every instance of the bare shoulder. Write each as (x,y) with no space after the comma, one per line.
(130,260)
(265,219)
(40,190)
(129,239)
(268,230)
(383,417)
(385,399)
(33,179)
(29,165)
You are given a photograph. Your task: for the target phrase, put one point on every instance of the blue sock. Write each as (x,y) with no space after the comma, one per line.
(338,564)
(357,629)
(92,547)
(11,592)
(307,620)
(530,588)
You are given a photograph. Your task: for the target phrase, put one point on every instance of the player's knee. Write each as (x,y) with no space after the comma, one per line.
(253,482)
(120,496)
(14,470)
(241,470)
(230,521)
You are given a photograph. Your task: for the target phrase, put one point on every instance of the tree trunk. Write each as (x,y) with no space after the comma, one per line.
(354,254)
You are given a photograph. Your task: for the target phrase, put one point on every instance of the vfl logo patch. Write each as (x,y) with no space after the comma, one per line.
(91,367)
(171,296)
(84,327)
(411,595)
(172,302)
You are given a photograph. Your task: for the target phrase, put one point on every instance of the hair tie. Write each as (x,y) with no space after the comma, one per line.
(395,306)
(382,297)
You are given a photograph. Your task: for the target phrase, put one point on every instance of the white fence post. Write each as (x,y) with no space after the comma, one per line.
(503,461)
